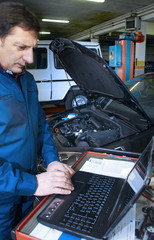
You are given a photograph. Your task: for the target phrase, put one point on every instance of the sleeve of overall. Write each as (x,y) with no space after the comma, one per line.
(46,142)
(15,181)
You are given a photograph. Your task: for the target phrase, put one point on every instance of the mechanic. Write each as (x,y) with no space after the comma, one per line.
(24,132)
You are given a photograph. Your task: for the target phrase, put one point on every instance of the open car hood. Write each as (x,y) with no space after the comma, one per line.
(92,73)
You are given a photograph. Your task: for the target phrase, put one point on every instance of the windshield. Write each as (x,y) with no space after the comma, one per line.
(119,110)
(142,87)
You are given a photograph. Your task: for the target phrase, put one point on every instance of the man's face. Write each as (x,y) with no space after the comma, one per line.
(16,49)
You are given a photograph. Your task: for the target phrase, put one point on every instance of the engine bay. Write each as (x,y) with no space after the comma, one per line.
(87,129)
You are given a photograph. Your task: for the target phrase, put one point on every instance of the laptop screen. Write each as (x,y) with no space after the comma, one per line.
(142,169)
(137,179)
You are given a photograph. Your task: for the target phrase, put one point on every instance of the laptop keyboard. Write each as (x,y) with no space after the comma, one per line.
(84,211)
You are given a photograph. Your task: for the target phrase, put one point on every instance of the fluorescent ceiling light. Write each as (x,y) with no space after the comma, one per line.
(100,1)
(54,20)
(44,32)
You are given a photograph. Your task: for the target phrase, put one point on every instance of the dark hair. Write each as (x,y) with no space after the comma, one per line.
(16,14)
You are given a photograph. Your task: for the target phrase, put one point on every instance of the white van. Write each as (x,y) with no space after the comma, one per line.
(54,84)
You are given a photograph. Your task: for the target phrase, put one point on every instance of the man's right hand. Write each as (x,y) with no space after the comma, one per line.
(55,181)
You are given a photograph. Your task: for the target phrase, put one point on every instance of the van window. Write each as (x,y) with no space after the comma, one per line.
(58,64)
(40,59)
(94,50)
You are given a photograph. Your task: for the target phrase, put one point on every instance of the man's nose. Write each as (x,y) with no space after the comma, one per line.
(28,56)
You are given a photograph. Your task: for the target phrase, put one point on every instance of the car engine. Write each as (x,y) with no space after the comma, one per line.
(84,129)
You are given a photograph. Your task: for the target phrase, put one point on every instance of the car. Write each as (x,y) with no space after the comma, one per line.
(116,118)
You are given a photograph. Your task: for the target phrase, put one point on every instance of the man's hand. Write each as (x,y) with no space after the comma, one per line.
(57,180)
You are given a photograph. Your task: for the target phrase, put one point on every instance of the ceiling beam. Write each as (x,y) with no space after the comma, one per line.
(146,14)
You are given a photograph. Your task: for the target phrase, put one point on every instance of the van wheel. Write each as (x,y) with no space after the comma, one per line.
(75,98)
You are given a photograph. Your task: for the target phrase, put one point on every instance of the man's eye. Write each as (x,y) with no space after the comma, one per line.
(21,47)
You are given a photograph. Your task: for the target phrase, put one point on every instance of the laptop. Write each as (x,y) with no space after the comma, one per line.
(98,202)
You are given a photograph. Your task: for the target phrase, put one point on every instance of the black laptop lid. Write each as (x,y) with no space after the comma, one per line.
(135,183)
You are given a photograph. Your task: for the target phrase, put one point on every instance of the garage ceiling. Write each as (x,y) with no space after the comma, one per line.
(82,14)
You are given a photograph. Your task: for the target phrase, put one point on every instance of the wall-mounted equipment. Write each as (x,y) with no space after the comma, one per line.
(132,24)
(115,57)
(121,55)
(124,50)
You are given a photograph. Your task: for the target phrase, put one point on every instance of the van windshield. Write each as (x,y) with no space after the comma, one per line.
(40,59)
